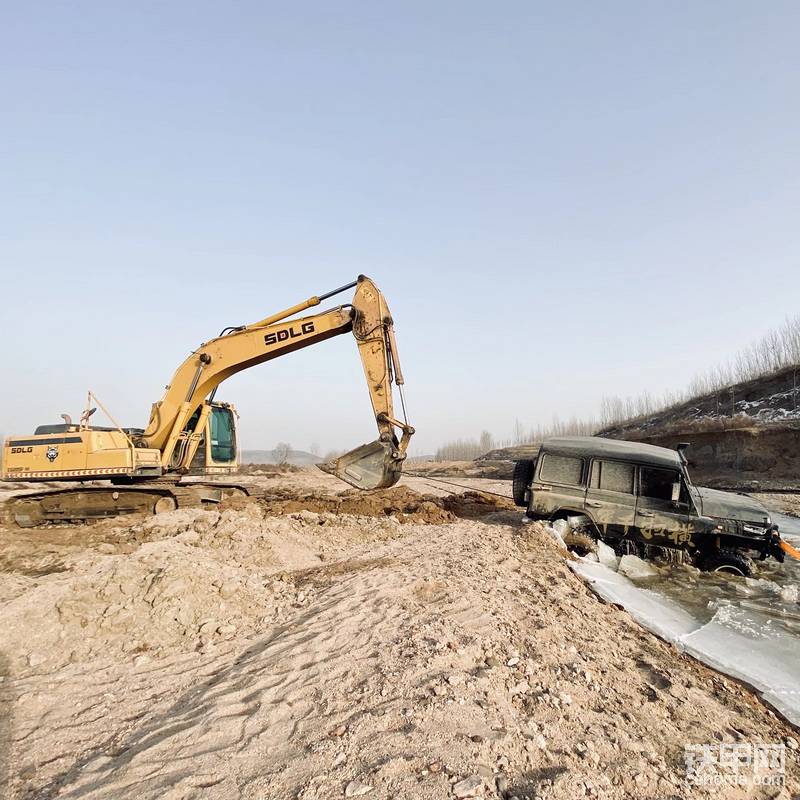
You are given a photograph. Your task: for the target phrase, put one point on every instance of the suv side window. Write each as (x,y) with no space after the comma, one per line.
(656,484)
(565,470)
(612,476)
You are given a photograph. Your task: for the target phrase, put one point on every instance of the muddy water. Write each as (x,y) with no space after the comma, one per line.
(764,606)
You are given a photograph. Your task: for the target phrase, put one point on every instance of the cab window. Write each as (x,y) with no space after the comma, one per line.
(612,476)
(565,470)
(657,484)
(223,439)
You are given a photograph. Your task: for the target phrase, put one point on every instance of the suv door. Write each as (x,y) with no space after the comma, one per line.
(660,519)
(610,497)
(559,484)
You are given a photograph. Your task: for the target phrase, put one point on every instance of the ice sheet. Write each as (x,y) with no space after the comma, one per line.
(658,614)
(767,660)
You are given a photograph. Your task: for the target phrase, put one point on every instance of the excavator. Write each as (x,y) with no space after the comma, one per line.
(192,434)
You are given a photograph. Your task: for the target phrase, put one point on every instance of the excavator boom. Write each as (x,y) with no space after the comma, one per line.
(367,467)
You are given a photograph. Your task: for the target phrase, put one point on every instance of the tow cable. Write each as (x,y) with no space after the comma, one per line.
(451,483)
(792,551)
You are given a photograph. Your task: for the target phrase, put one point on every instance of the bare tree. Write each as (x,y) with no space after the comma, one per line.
(282,452)
(314,448)
(459,450)
(572,427)
(470,449)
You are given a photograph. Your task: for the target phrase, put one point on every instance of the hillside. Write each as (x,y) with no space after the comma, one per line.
(769,400)
(743,434)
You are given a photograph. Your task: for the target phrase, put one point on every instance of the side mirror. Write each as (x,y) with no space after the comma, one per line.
(676,492)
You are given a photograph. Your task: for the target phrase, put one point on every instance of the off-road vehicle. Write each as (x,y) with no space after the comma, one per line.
(636,496)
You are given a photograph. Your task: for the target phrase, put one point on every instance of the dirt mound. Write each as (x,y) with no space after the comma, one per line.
(400,502)
(308,655)
(474,505)
(403,504)
(182,581)
(167,595)
(464,660)
(500,468)
(267,470)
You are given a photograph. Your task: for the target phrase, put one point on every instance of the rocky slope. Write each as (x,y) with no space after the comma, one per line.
(771,400)
(743,435)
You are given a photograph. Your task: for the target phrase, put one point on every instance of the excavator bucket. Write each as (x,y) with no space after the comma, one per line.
(371,466)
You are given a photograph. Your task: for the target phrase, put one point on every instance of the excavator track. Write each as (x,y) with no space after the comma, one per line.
(81,504)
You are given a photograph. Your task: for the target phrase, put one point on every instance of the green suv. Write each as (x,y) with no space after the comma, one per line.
(633,495)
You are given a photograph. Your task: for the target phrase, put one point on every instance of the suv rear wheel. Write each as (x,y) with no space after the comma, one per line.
(581,542)
(729,561)
(523,475)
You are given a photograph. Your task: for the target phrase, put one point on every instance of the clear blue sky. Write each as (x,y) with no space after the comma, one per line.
(560,200)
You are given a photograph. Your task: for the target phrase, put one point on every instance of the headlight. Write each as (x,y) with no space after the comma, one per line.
(729,526)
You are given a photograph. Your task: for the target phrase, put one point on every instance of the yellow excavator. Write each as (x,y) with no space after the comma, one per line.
(190,433)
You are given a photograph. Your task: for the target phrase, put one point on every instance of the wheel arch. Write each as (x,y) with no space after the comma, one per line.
(564,512)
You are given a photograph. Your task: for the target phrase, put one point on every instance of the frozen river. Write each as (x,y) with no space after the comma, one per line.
(766,602)
(748,628)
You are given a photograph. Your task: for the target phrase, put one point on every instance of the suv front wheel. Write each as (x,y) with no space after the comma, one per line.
(727,561)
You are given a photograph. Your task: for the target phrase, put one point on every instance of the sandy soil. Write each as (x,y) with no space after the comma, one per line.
(317,645)
(480,468)
(786,503)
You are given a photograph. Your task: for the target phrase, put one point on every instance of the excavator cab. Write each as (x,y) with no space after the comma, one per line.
(217,453)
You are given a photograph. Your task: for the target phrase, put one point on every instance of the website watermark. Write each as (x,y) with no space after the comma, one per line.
(736,763)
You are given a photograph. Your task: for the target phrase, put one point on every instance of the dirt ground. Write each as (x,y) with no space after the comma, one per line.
(324,643)
(786,503)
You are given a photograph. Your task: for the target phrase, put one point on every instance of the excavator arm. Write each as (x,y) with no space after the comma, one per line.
(374,465)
